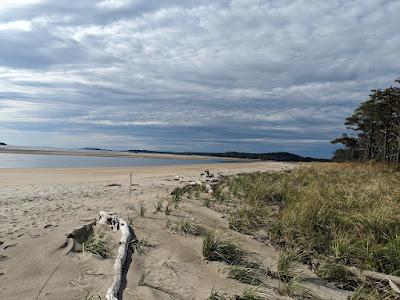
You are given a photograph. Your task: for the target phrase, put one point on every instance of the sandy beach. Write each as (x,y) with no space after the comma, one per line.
(39,206)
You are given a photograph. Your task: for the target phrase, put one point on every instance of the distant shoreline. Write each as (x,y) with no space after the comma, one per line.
(105,153)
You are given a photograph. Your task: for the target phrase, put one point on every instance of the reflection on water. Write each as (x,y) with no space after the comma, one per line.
(65,161)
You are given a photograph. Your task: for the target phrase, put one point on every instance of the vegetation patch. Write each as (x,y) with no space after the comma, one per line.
(249,294)
(253,276)
(98,244)
(158,205)
(186,226)
(188,191)
(248,219)
(339,274)
(217,247)
(142,246)
(345,212)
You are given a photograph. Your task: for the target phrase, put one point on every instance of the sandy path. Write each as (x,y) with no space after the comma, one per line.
(38,206)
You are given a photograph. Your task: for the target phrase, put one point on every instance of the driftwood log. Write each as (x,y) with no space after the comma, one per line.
(116,224)
(393,281)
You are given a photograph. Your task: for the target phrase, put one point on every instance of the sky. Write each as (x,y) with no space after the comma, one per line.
(240,75)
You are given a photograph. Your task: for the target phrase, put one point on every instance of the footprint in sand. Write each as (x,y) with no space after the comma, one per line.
(49,226)
(3,257)
(10,246)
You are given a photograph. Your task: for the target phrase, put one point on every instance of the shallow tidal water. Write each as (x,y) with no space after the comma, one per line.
(68,161)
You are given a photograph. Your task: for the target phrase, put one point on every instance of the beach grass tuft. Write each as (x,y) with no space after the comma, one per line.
(142,246)
(252,276)
(217,247)
(158,205)
(142,210)
(186,226)
(99,244)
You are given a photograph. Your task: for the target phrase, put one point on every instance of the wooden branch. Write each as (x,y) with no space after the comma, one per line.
(117,223)
(373,275)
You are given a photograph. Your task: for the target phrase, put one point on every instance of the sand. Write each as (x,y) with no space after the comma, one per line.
(38,206)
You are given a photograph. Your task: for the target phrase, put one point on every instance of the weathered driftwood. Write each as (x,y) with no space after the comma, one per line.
(365,274)
(117,223)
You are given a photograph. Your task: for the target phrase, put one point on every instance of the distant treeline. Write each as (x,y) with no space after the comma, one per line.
(376,123)
(275,156)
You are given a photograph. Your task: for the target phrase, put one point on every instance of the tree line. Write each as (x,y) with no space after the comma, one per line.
(376,127)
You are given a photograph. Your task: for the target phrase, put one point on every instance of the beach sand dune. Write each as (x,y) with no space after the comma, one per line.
(38,206)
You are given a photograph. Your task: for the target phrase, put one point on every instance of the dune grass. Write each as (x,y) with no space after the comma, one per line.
(188,191)
(252,276)
(98,244)
(347,212)
(286,270)
(248,219)
(217,295)
(158,205)
(142,209)
(186,226)
(217,247)
(254,293)
(142,246)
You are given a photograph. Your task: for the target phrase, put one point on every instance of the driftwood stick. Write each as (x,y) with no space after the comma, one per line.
(117,223)
(130,187)
(373,275)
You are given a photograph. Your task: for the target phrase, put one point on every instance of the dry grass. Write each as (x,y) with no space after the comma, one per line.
(142,246)
(218,247)
(347,212)
(142,209)
(253,293)
(252,276)
(158,205)
(248,219)
(186,226)
(188,191)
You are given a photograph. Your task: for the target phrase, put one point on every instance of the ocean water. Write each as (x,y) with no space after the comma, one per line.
(67,161)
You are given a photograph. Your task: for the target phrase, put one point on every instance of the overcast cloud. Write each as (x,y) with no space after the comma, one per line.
(245,75)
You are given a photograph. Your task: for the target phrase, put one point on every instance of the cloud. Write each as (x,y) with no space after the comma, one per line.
(254,75)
